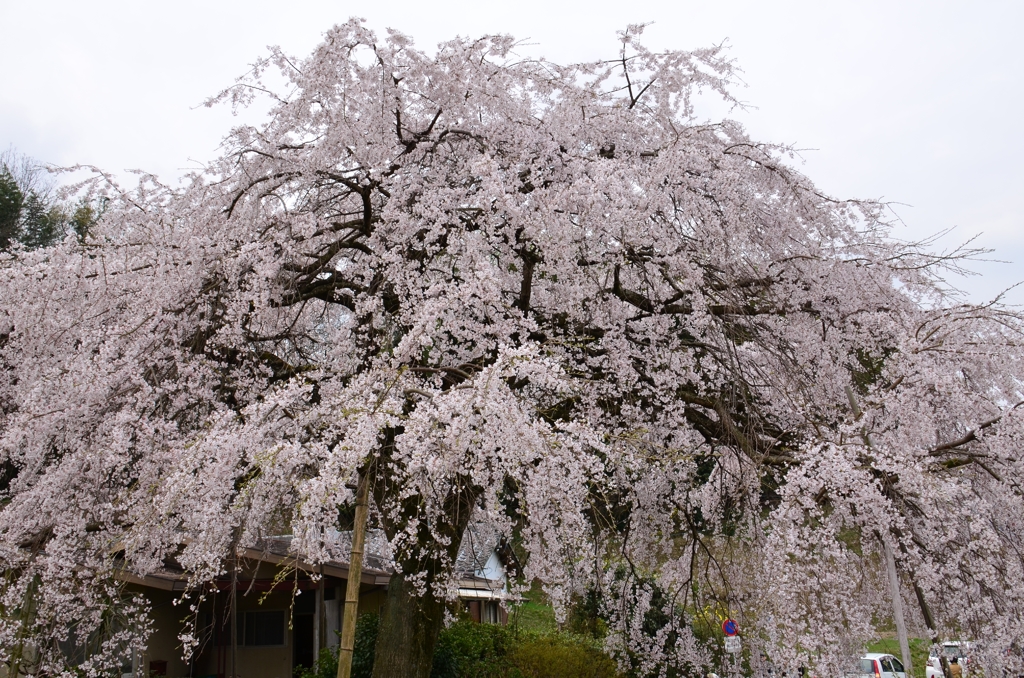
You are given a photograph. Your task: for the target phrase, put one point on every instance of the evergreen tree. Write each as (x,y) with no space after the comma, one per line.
(42,224)
(11,200)
(31,213)
(83,219)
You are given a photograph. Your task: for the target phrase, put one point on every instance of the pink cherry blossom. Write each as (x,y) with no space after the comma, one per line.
(542,295)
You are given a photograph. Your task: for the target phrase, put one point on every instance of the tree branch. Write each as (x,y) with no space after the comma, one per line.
(970,436)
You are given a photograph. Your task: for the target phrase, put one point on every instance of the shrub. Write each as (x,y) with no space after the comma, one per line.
(467,649)
(474,650)
(325,666)
(559,656)
(365,646)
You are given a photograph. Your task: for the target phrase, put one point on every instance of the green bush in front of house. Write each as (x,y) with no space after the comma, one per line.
(467,649)
(561,656)
(366,645)
(326,665)
(472,650)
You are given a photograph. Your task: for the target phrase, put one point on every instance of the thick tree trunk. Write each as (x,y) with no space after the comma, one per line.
(409,627)
(410,623)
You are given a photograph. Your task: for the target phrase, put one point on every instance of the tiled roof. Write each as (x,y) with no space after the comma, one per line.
(478,543)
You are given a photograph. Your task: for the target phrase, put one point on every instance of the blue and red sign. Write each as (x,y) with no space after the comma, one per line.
(730,628)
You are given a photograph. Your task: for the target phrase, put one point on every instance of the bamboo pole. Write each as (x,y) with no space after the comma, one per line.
(318,617)
(355,574)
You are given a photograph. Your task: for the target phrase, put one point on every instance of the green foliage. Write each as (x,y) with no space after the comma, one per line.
(559,656)
(366,645)
(83,218)
(476,650)
(11,201)
(446,662)
(868,370)
(31,213)
(325,666)
(41,224)
(467,649)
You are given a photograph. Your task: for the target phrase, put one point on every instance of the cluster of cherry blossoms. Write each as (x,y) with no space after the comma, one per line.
(649,350)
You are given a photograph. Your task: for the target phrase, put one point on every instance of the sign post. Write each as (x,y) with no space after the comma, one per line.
(733,644)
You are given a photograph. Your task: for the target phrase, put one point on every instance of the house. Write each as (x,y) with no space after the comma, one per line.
(483,564)
(288,609)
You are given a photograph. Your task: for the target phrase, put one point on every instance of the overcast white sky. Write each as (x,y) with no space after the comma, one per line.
(917,102)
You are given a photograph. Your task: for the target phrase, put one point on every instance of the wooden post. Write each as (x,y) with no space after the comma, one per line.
(355,574)
(890,563)
(234,617)
(929,621)
(897,605)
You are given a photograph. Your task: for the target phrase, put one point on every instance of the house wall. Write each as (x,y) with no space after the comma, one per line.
(214,660)
(494,569)
(163,645)
(261,662)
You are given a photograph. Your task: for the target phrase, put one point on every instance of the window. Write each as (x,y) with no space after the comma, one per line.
(866,666)
(897,665)
(261,629)
(886,666)
(489,614)
(217,630)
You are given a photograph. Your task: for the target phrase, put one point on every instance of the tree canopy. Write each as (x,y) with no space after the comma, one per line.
(32,214)
(544,295)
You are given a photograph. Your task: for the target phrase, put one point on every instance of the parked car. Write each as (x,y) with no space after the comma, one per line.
(950,649)
(878,665)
